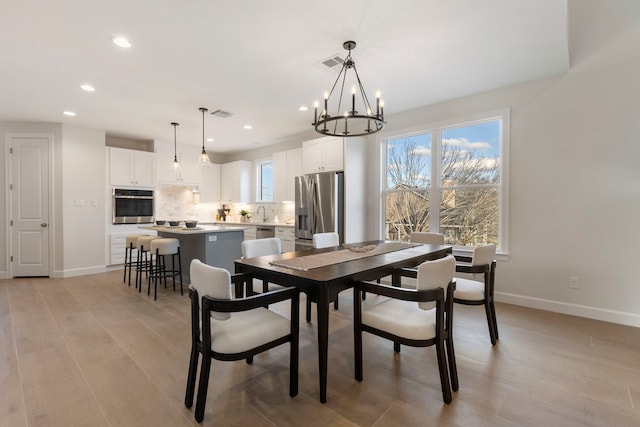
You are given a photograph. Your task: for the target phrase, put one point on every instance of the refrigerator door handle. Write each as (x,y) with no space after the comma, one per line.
(314,201)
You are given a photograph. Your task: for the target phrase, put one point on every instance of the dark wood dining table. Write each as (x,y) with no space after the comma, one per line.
(322,284)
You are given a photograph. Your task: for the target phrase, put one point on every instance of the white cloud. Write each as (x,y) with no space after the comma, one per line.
(464,143)
(422,151)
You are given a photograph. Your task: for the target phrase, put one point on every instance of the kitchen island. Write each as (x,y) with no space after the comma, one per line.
(214,245)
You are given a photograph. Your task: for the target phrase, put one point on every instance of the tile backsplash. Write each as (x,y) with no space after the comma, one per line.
(178,203)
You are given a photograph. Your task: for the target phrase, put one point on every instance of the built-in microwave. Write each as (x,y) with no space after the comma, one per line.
(133,206)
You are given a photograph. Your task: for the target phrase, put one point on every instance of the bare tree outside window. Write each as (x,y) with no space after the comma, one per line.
(468,191)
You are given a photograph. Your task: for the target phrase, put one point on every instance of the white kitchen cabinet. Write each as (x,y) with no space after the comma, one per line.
(210,183)
(286,166)
(235,182)
(323,155)
(249,232)
(287,238)
(117,244)
(131,168)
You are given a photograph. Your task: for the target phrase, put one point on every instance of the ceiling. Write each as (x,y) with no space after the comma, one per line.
(259,60)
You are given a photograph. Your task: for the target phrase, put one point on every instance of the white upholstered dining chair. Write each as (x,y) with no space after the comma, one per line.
(470,291)
(261,247)
(229,329)
(418,317)
(426,237)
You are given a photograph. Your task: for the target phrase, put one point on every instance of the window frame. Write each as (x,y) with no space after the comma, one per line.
(435,189)
(258,182)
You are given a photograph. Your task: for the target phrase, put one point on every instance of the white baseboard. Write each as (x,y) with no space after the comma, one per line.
(620,317)
(79,271)
(4,275)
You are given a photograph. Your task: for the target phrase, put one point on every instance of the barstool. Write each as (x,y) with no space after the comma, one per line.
(161,248)
(143,264)
(130,242)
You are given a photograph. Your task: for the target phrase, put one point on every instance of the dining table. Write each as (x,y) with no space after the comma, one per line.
(323,273)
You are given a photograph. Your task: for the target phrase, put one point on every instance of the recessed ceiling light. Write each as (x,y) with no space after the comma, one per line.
(303,108)
(88,88)
(209,139)
(248,127)
(122,42)
(69,113)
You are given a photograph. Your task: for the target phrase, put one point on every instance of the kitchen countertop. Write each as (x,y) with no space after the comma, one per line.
(253,224)
(200,229)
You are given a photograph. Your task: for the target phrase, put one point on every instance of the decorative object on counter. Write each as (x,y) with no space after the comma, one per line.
(174,223)
(191,224)
(349,122)
(176,164)
(204,158)
(245,215)
(160,222)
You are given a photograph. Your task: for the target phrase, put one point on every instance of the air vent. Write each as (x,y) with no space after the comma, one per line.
(332,63)
(221,113)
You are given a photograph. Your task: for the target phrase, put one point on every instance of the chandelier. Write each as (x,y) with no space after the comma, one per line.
(347,120)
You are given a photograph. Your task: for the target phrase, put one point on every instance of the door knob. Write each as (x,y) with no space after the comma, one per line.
(44,224)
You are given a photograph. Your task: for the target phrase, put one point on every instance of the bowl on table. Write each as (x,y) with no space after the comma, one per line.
(160,222)
(191,224)
(174,223)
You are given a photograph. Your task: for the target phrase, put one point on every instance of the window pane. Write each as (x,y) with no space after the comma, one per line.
(409,162)
(471,155)
(405,211)
(266,181)
(469,217)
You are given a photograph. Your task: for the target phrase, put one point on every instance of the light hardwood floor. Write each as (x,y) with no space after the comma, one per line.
(91,351)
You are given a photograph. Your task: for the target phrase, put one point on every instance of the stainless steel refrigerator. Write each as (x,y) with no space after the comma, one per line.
(319,206)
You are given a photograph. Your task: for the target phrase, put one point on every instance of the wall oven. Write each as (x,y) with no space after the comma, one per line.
(133,206)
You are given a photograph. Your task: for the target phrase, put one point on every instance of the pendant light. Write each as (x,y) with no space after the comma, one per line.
(204,158)
(176,164)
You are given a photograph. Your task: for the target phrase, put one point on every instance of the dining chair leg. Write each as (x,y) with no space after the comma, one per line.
(191,378)
(396,347)
(444,374)
(492,332)
(453,368)
(308,309)
(495,320)
(203,386)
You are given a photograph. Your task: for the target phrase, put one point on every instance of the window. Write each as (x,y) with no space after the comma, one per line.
(264,174)
(449,179)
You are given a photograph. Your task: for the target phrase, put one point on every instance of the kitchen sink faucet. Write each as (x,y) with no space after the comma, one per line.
(264,213)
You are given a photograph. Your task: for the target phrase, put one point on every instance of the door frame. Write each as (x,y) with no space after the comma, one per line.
(9,136)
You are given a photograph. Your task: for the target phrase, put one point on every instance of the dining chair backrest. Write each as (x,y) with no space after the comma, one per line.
(484,254)
(260,247)
(212,281)
(435,274)
(326,240)
(426,238)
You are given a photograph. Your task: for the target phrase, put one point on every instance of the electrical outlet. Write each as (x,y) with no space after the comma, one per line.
(574,283)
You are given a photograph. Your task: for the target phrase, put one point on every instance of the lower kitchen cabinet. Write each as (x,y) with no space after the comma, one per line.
(249,232)
(287,238)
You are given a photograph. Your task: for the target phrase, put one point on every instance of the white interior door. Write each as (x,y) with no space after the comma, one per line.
(29,206)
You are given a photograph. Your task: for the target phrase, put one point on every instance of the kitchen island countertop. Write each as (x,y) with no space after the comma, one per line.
(200,229)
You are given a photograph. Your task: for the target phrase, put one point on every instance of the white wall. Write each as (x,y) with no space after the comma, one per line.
(574,188)
(83,201)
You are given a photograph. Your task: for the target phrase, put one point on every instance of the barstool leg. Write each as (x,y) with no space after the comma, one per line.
(179,271)
(124,278)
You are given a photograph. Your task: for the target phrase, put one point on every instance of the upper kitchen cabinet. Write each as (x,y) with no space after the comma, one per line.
(235,182)
(210,183)
(131,168)
(286,166)
(187,174)
(323,155)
